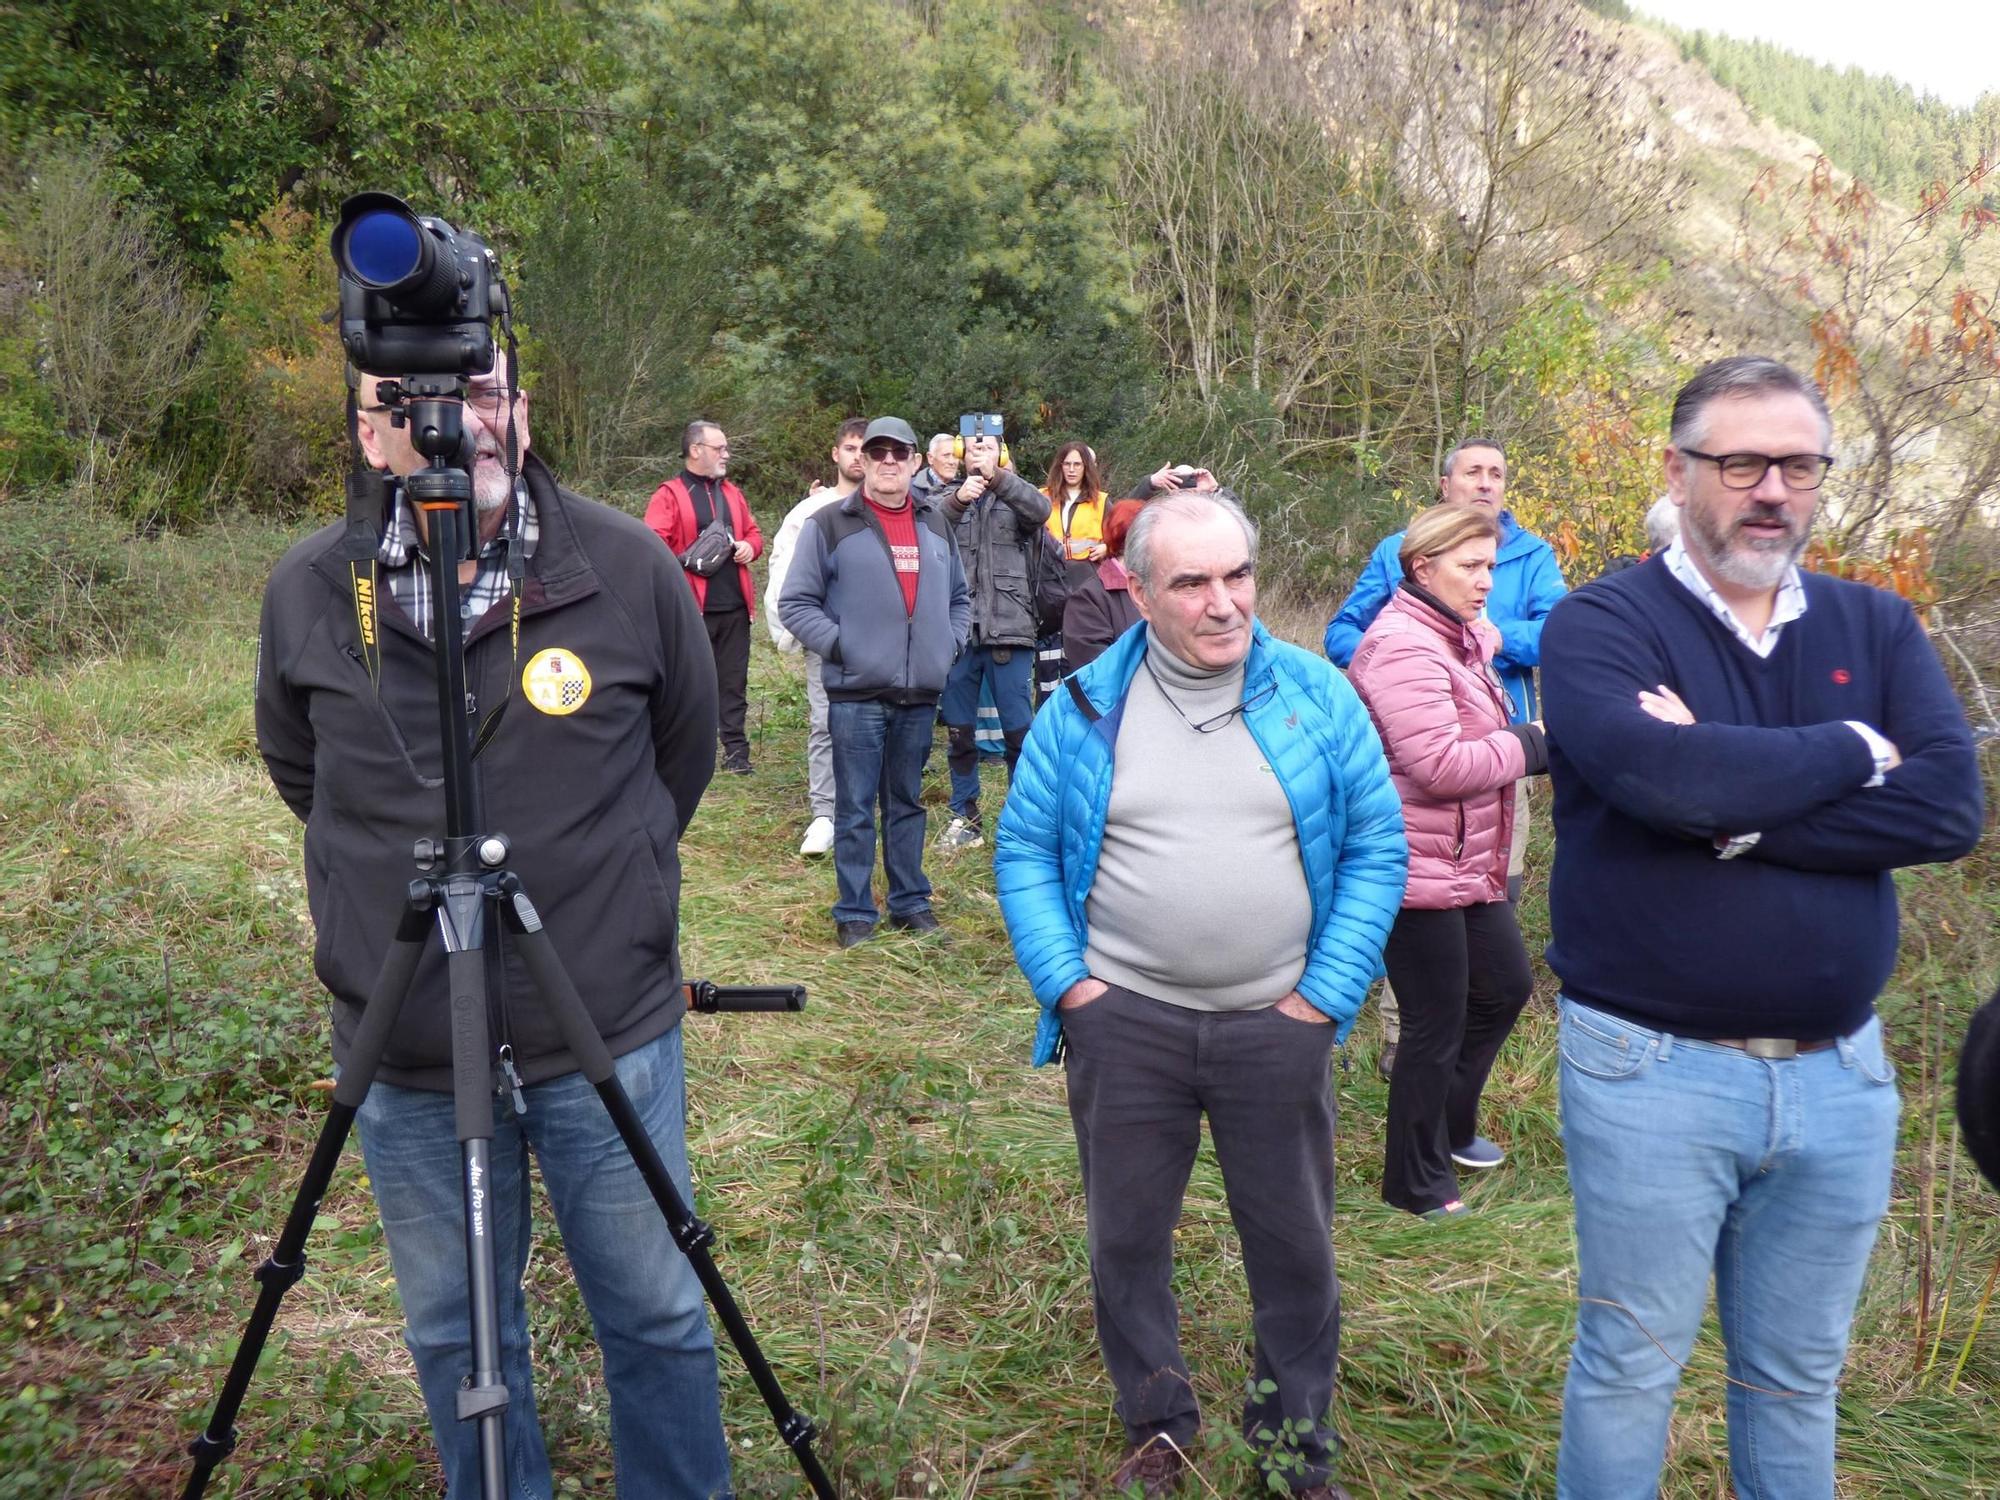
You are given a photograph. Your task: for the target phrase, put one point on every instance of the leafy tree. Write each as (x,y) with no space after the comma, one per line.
(113,313)
(1589,384)
(941,239)
(1904,342)
(216,110)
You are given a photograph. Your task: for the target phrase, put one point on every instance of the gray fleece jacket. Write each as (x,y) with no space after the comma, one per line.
(843,602)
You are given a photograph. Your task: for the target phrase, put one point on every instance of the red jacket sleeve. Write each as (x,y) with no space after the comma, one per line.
(746,525)
(671,517)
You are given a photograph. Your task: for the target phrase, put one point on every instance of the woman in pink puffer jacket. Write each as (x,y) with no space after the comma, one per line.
(1455,955)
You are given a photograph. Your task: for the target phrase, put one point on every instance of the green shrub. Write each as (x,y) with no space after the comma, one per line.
(270,407)
(33,450)
(75,580)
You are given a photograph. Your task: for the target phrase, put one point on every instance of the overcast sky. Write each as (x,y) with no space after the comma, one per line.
(1950,48)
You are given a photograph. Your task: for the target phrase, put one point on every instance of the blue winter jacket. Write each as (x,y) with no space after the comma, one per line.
(1526,584)
(1320,742)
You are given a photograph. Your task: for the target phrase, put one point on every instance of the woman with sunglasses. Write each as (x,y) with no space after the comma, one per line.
(1455,955)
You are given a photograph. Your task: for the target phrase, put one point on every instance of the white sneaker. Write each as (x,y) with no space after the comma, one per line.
(819,837)
(960,833)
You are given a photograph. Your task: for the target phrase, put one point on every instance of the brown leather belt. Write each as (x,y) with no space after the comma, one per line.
(1775,1048)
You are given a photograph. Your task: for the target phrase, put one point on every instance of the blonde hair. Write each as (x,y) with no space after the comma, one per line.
(1442,529)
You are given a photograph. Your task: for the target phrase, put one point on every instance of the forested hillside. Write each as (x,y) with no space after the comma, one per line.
(1869,124)
(1312,243)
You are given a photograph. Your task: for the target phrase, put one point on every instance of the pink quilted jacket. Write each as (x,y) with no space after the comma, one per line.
(1429,685)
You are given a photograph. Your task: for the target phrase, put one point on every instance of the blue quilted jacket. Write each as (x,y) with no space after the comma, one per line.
(1320,742)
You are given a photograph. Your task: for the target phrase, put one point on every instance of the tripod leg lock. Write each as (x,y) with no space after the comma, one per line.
(209,1450)
(693,1235)
(476,1402)
(798,1432)
(281,1274)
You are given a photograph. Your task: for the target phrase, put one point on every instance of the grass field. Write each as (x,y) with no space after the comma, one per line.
(895,1191)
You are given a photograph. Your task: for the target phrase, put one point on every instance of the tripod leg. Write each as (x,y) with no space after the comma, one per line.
(689,1233)
(483,1398)
(287,1262)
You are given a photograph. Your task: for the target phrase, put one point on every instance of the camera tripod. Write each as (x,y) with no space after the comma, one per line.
(459,879)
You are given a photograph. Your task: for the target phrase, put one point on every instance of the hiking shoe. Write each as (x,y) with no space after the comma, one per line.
(737,766)
(1155,1468)
(854,934)
(960,833)
(916,921)
(819,837)
(1480,1155)
(1452,1210)
(1385,1060)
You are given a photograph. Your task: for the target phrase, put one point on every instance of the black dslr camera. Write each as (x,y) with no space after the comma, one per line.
(415,293)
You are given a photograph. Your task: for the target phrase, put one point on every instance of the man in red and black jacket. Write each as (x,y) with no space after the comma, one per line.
(680,510)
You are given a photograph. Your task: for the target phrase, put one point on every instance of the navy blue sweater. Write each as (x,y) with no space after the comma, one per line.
(1796,937)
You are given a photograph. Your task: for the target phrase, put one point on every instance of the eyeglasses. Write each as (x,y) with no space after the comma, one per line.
(882,453)
(1255,700)
(711,447)
(492,402)
(1745,471)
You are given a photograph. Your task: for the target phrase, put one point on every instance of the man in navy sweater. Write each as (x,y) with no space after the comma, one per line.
(1741,753)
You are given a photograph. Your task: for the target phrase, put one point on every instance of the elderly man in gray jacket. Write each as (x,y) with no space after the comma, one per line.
(876,591)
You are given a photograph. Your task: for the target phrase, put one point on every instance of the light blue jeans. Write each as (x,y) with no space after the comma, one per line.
(1687,1158)
(644,1300)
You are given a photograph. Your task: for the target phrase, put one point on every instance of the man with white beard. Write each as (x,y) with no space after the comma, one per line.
(1741,753)
(597,767)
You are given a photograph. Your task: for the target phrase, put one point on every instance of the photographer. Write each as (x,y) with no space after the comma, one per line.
(996,518)
(606,747)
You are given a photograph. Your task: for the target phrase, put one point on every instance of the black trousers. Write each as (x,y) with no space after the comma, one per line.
(729,639)
(1142,1074)
(1461,977)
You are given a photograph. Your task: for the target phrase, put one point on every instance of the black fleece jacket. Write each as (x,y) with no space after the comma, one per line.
(591,792)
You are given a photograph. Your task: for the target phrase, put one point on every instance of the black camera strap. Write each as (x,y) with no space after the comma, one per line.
(517,510)
(368,491)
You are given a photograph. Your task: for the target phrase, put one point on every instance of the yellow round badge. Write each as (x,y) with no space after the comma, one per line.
(556,682)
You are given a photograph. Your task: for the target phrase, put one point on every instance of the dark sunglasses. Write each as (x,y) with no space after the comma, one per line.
(883,452)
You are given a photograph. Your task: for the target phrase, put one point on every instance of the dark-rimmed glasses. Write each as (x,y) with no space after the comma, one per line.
(1745,471)
(883,452)
(490,402)
(1254,700)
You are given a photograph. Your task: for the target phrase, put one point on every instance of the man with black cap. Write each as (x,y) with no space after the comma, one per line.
(876,591)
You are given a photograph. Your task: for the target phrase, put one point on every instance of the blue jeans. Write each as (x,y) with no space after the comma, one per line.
(1687,1158)
(645,1303)
(1013,687)
(879,750)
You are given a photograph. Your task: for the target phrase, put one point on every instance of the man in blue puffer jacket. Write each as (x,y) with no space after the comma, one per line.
(1199,862)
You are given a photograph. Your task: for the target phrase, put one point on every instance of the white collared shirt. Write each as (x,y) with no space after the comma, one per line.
(1791,604)
(1791,599)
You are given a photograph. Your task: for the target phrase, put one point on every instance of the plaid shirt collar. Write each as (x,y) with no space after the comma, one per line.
(410,585)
